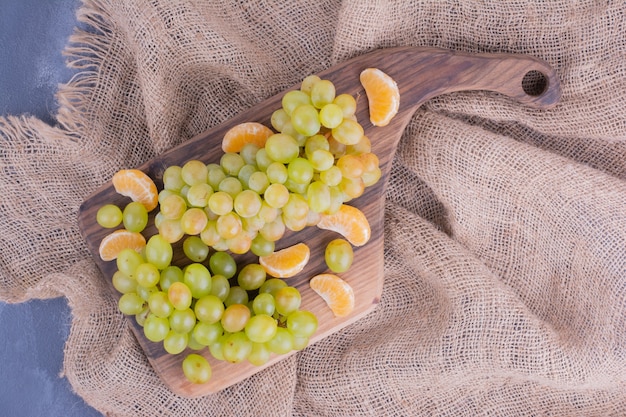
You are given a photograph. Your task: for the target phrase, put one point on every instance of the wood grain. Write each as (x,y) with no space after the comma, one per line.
(421,73)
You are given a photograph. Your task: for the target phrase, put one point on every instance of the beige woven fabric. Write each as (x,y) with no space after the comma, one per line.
(505,245)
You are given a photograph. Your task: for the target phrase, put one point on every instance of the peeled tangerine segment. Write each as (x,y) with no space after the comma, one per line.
(248,132)
(383,95)
(337,293)
(348,221)
(115,242)
(138,186)
(287,262)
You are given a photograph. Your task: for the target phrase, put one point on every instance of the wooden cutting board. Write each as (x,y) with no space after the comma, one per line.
(421,73)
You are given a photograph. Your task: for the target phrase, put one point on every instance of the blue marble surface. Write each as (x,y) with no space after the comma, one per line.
(32,335)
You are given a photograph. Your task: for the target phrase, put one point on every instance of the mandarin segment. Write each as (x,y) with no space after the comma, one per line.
(382,94)
(138,186)
(115,242)
(287,262)
(348,221)
(248,132)
(337,293)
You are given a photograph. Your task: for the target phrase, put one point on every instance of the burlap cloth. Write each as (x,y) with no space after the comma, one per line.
(505,245)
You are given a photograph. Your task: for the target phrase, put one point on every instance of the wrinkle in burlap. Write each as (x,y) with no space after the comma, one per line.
(505,233)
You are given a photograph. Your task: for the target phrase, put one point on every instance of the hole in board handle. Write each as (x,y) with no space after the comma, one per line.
(534,83)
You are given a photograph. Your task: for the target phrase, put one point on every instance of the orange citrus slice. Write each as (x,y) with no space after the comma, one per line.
(382,94)
(244,133)
(115,242)
(348,221)
(138,186)
(336,292)
(286,263)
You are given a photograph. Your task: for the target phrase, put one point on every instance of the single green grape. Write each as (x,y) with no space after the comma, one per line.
(287,300)
(196,368)
(123,283)
(231,163)
(276,172)
(259,181)
(198,195)
(245,173)
(130,303)
(127,262)
(281,148)
(293,99)
(198,278)
(306,120)
(145,292)
(274,230)
(179,295)
(209,309)
(182,321)
(207,333)
(349,132)
(248,153)
(259,354)
(159,304)
(331,115)
(156,328)
(231,185)
(235,317)
(109,216)
(221,203)
(215,175)
(322,93)
(261,246)
(332,176)
(318,196)
(276,195)
(229,225)
(302,323)
(221,263)
(172,178)
(261,328)
(220,287)
(170,275)
(347,104)
(236,347)
(264,303)
(321,160)
(135,217)
(339,255)
(247,203)
(300,170)
(215,348)
(282,342)
(236,295)
(147,275)
(174,343)
(278,119)
(296,208)
(251,277)
(263,160)
(172,207)
(159,252)
(194,221)
(272,285)
(194,172)
(195,249)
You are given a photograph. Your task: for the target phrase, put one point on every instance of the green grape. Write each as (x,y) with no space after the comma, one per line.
(308,82)
(135,217)
(179,295)
(207,333)
(209,235)
(282,342)
(158,219)
(276,173)
(287,300)
(229,225)
(267,213)
(221,203)
(271,286)
(331,115)
(339,255)
(159,304)
(195,249)
(370,178)
(194,221)
(236,295)
(235,317)
(194,172)
(258,182)
(322,93)
(171,230)
(221,263)
(127,262)
(147,275)
(196,369)
(296,187)
(198,278)
(336,200)
(278,119)
(296,208)
(263,160)
(296,224)
(293,99)
(314,143)
(198,195)
(290,130)
(347,104)
(173,207)
(274,230)
(321,160)
(251,277)
(247,203)
(123,283)
(220,287)
(182,321)
(318,196)
(350,166)
(145,292)
(332,176)
(209,309)
(193,343)
(236,347)
(305,120)
(302,323)
(173,178)
(141,317)
(163,194)
(109,216)
(156,328)
(261,246)
(245,173)
(259,354)
(281,148)
(231,185)
(239,244)
(159,252)
(352,187)
(300,171)
(215,348)
(261,328)
(349,132)
(231,163)
(170,275)
(175,342)
(215,175)
(248,153)
(130,303)
(263,303)
(300,342)
(276,195)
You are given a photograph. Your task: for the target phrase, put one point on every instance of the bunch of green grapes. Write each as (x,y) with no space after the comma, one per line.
(197,307)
